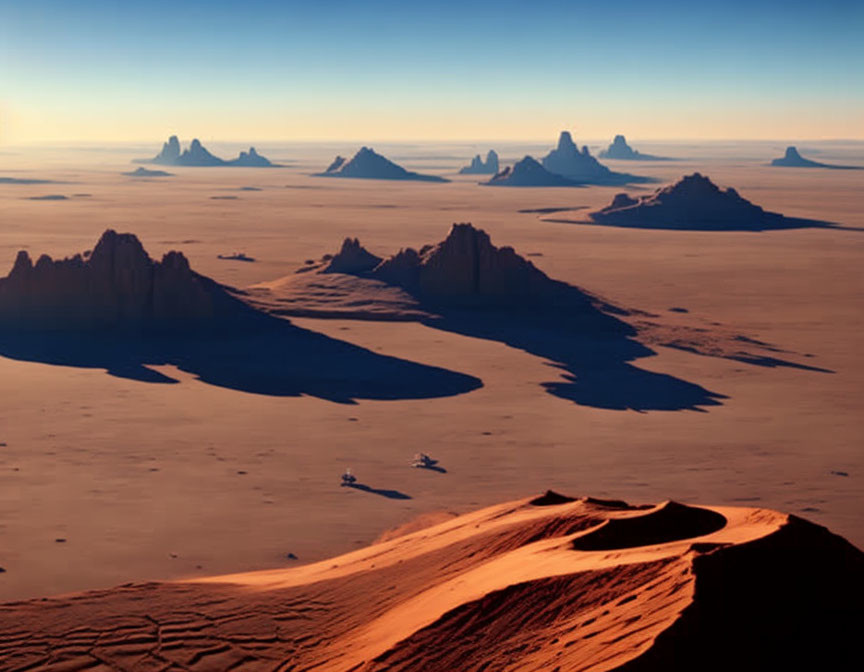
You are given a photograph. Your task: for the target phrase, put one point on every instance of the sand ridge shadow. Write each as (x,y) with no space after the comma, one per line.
(273,357)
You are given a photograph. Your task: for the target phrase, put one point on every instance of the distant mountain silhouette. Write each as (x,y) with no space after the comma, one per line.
(197,155)
(369,165)
(119,310)
(145,172)
(529,173)
(480,167)
(694,203)
(620,150)
(793,159)
(567,160)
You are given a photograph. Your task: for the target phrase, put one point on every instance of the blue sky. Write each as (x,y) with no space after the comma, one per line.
(339,70)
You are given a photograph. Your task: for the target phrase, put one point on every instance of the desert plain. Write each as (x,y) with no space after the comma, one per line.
(106,479)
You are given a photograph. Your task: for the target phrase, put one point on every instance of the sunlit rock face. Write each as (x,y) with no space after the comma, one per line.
(117,286)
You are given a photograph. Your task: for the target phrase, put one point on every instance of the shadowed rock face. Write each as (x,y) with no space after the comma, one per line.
(529,173)
(692,202)
(465,268)
(480,167)
(352,259)
(118,286)
(792,159)
(620,150)
(369,165)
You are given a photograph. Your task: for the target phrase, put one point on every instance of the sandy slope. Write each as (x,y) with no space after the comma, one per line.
(87,452)
(541,584)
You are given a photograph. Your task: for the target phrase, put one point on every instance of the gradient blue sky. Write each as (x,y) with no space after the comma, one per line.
(384,70)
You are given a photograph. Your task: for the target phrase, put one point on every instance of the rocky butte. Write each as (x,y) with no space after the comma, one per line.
(480,167)
(578,165)
(116,287)
(529,173)
(694,202)
(369,165)
(792,159)
(196,155)
(465,269)
(620,150)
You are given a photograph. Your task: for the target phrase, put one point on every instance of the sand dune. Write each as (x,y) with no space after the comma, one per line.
(549,583)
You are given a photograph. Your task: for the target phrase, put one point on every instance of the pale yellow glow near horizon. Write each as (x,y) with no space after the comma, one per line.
(19,125)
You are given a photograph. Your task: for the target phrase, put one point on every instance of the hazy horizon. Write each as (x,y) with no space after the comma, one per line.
(385,72)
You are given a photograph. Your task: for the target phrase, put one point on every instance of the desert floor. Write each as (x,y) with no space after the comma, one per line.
(165,481)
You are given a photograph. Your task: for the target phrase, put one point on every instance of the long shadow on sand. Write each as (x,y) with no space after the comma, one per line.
(389,494)
(593,350)
(277,359)
(779,224)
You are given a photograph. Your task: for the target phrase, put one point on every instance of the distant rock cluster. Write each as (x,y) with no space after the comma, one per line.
(564,166)
(792,159)
(480,167)
(621,151)
(117,286)
(367,164)
(198,156)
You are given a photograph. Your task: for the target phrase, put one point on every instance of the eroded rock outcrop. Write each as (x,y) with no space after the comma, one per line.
(196,155)
(692,202)
(578,165)
(529,173)
(369,165)
(792,159)
(117,286)
(620,150)
(480,167)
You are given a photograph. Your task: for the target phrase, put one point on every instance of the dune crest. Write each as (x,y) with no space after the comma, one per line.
(523,585)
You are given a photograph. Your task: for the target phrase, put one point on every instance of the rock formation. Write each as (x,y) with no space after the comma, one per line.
(117,286)
(170,152)
(369,165)
(337,163)
(145,172)
(692,202)
(567,160)
(352,259)
(251,159)
(480,167)
(620,150)
(197,155)
(793,159)
(465,269)
(529,173)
